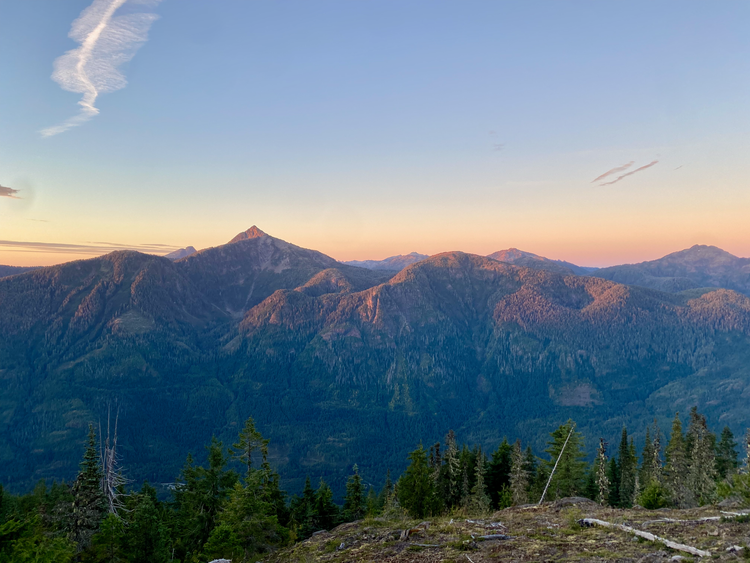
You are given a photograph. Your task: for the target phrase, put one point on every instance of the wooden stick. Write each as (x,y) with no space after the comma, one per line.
(647,536)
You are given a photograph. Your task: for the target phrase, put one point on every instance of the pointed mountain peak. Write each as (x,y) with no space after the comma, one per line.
(181,253)
(252,232)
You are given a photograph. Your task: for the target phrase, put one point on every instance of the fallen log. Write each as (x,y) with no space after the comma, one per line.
(727,516)
(646,536)
(494,537)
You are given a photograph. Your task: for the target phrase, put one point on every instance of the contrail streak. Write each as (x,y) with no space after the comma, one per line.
(649,165)
(106,43)
(614,171)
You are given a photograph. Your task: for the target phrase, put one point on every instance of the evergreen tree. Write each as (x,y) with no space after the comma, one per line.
(451,472)
(535,473)
(199,497)
(146,535)
(385,498)
(647,456)
(302,509)
(107,546)
(354,502)
(565,451)
(519,476)
(249,520)
(702,463)
(600,471)
(613,474)
(250,441)
(589,489)
(26,541)
(628,469)
(247,524)
(88,505)
(467,462)
(636,475)
(415,485)
(656,472)
(465,492)
(326,512)
(726,454)
(372,505)
(480,501)
(676,470)
(498,471)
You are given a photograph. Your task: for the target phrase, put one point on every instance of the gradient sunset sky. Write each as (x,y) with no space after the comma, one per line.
(368,128)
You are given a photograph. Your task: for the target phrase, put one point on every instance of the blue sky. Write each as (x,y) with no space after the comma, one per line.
(370,128)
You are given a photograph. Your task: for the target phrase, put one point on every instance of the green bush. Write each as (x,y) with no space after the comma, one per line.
(654,496)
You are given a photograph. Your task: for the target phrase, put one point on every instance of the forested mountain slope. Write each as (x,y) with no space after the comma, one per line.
(698,266)
(342,365)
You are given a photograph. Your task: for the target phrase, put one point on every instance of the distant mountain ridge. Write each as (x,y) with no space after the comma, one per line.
(695,267)
(13,270)
(529,260)
(181,253)
(393,263)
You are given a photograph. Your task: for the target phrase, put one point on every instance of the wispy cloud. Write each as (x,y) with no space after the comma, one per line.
(613,171)
(106,43)
(9,192)
(649,165)
(90,249)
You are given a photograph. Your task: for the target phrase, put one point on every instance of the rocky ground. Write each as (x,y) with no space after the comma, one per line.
(548,533)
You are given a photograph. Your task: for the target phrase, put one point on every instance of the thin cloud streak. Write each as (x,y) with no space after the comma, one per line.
(9,192)
(649,165)
(96,248)
(614,171)
(92,69)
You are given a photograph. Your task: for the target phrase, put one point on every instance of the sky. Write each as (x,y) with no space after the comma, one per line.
(370,128)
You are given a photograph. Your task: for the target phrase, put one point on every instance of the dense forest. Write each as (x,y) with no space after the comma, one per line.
(233,506)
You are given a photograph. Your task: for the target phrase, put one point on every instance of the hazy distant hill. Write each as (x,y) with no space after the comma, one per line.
(699,266)
(181,253)
(529,260)
(13,270)
(342,365)
(394,263)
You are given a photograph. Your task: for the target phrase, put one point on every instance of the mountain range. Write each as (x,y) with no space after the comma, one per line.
(393,263)
(699,266)
(340,364)
(13,270)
